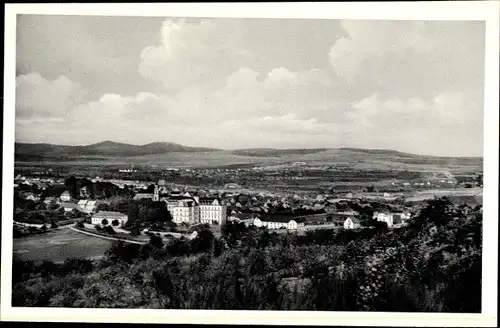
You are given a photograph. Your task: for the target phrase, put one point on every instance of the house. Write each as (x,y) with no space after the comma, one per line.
(143,196)
(278,222)
(68,207)
(314,219)
(351,223)
(88,206)
(386,217)
(113,218)
(65,196)
(31,196)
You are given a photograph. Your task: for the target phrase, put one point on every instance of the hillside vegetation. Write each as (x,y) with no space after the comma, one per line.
(432,265)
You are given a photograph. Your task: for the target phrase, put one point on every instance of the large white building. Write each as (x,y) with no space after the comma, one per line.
(112,218)
(212,211)
(189,209)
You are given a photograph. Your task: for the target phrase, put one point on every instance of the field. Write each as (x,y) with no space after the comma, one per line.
(341,158)
(60,245)
(429,194)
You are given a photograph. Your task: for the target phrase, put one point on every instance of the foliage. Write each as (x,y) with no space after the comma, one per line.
(431,265)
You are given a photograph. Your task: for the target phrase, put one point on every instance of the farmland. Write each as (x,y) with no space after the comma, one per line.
(60,245)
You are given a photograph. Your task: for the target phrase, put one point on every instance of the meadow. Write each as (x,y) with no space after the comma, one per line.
(59,245)
(354,159)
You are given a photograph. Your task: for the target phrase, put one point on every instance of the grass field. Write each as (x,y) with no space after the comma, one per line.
(348,158)
(429,194)
(60,245)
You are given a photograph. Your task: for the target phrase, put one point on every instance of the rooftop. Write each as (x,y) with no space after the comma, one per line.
(109,213)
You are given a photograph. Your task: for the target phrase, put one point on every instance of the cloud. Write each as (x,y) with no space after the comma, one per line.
(191,53)
(271,83)
(39,98)
(405,58)
(426,127)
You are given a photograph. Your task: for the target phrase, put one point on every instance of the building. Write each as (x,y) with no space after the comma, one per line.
(278,222)
(65,196)
(351,223)
(140,196)
(68,207)
(113,218)
(31,196)
(384,217)
(183,209)
(88,206)
(212,211)
(191,209)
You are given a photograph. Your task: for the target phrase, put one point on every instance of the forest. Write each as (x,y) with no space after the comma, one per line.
(431,265)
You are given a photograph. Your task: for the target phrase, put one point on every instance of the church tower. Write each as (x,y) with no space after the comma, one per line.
(156,195)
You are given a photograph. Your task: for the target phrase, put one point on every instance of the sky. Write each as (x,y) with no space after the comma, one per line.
(414,86)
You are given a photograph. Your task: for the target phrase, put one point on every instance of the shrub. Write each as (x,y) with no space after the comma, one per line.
(115,223)
(104,222)
(109,229)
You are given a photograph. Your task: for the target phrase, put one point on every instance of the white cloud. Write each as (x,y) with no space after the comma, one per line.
(38,98)
(450,121)
(192,53)
(226,83)
(410,58)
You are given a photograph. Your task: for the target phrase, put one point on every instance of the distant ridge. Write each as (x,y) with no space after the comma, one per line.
(45,151)
(104,148)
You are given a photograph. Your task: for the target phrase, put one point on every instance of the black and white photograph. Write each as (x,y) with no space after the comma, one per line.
(255,163)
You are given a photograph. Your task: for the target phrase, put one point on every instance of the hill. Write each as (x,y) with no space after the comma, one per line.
(176,155)
(105,148)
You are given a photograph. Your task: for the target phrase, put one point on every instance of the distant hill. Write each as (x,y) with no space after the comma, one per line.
(105,148)
(176,155)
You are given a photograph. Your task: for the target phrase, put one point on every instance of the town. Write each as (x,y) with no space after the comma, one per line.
(97,201)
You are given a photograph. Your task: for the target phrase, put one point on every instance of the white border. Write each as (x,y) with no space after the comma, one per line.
(455,10)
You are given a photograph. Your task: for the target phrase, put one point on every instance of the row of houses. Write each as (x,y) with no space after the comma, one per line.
(346,220)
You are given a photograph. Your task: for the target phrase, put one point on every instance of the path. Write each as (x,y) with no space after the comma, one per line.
(108,238)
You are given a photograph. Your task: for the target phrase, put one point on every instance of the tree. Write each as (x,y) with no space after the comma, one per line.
(132,214)
(109,229)
(103,207)
(115,223)
(104,222)
(203,242)
(156,241)
(71,184)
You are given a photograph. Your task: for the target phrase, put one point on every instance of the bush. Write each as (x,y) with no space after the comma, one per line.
(115,223)
(109,229)
(80,224)
(156,241)
(104,222)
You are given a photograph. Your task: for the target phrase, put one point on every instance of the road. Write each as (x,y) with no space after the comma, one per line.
(108,238)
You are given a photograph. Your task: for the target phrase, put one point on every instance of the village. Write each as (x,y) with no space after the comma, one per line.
(88,201)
